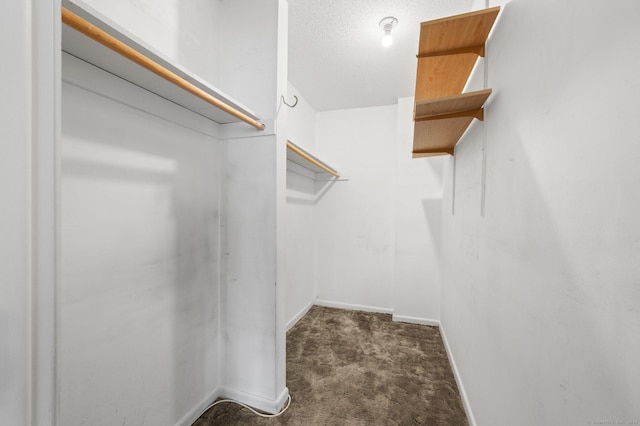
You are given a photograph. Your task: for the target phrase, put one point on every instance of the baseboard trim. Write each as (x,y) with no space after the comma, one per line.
(293,321)
(456,374)
(193,414)
(415,320)
(352,307)
(258,402)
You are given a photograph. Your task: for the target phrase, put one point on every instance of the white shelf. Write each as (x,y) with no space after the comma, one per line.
(88,50)
(310,162)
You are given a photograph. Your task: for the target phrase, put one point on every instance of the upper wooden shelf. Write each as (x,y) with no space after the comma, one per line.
(91,37)
(303,158)
(465,33)
(447,53)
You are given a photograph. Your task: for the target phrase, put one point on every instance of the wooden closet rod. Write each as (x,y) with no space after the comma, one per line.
(77,23)
(307,157)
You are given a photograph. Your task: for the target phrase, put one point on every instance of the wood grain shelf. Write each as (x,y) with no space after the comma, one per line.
(310,162)
(467,104)
(93,38)
(447,52)
(467,31)
(443,75)
(438,137)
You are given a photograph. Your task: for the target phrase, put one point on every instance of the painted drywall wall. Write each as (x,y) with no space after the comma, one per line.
(378,232)
(183,31)
(140,265)
(301,120)
(247,66)
(15,225)
(301,247)
(141,209)
(253,277)
(302,196)
(540,296)
(483,4)
(356,217)
(249,274)
(248,59)
(418,205)
(282,79)
(28,189)
(414,197)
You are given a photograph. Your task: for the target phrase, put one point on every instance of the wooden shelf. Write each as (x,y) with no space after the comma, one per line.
(467,105)
(310,162)
(162,77)
(443,75)
(447,53)
(441,122)
(465,32)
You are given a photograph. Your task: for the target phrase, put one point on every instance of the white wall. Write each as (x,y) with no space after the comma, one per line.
(540,296)
(170,266)
(15,226)
(301,120)
(418,205)
(253,279)
(356,217)
(410,199)
(29,32)
(378,232)
(140,309)
(249,269)
(302,196)
(181,30)
(140,265)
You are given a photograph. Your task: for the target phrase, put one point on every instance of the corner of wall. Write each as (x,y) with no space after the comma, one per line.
(456,373)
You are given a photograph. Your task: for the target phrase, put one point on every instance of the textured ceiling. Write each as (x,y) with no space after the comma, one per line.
(336,59)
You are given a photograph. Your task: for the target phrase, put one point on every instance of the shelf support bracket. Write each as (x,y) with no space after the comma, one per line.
(475,113)
(476,50)
(433,151)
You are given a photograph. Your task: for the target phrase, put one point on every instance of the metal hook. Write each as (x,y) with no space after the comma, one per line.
(285,102)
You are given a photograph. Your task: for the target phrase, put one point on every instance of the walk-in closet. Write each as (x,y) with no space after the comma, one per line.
(331,208)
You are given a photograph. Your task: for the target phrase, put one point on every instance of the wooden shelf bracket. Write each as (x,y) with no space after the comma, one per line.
(475,113)
(476,50)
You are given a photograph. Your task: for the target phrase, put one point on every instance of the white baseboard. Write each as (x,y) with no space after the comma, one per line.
(297,316)
(456,374)
(415,320)
(255,401)
(351,307)
(193,414)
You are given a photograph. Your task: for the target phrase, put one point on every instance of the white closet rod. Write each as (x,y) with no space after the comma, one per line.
(77,23)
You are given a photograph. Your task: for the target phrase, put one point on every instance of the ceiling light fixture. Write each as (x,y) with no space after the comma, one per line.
(387,24)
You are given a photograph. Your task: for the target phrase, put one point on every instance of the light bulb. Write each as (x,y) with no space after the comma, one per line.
(386,25)
(387,39)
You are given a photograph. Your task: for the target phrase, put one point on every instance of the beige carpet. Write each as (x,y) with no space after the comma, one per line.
(356,368)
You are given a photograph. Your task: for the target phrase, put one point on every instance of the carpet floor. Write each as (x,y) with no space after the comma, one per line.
(357,368)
